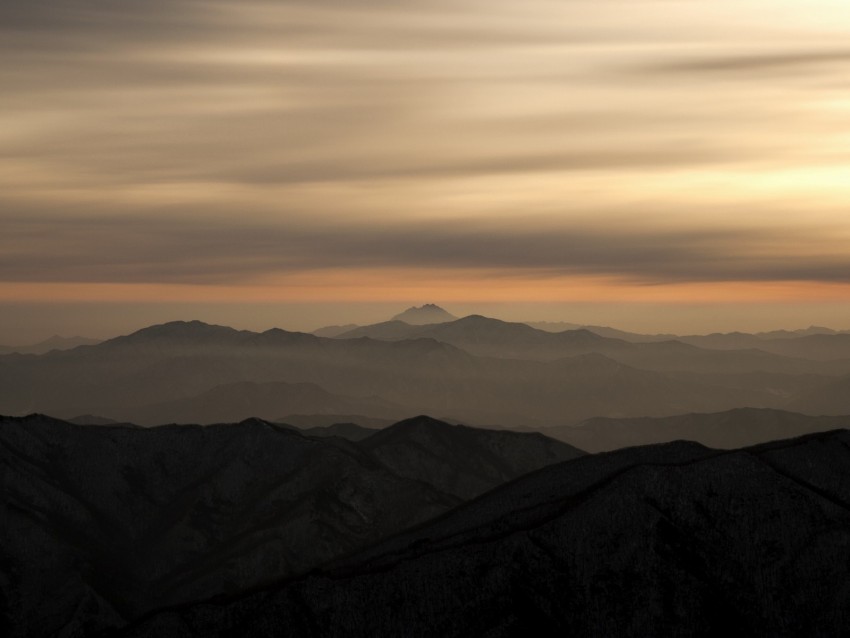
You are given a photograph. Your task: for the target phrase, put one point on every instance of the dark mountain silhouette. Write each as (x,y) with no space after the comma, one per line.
(484,336)
(349,431)
(731,429)
(334,331)
(394,330)
(91,419)
(429,313)
(668,540)
(53,343)
(101,524)
(428,450)
(310,421)
(815,342)
(554,326)
(802,332)
(817,346)
(173,364)
(237,401)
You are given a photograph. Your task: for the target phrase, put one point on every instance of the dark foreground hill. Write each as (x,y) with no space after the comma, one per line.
(730,429)
(428,450)
(668,540)
(103,523)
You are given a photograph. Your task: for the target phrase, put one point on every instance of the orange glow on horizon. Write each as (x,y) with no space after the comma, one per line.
(449,286)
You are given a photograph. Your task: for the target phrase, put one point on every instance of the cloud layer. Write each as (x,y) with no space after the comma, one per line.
(219,143)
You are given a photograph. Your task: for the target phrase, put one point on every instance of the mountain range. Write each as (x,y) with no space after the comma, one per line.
(105,523)
(731,429)
(582,481)
(476,370)
(53,343)
(667,540)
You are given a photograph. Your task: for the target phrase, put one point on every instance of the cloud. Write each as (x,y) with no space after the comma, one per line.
(206,141)
(758,64)
(142,249)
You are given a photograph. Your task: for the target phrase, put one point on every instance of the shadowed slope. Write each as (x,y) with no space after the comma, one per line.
(102,523)
(461,460)
(668,540)
(138,518)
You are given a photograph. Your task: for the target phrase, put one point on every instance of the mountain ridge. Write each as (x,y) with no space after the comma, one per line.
(659,540)
(103,523)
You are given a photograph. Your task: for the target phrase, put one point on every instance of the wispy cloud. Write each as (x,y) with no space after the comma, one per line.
(204,141)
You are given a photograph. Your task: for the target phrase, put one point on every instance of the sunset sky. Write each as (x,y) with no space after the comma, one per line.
(675,165)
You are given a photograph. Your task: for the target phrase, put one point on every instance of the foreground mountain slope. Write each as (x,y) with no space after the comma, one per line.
(731,429)
(136,518)
(428,450)
(668,540)
(103,523)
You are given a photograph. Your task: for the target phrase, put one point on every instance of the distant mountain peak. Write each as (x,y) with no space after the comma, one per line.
(421,315)
(178,330)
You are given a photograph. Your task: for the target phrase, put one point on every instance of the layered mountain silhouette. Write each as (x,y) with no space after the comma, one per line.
(484,336)
(429,313)
(731,429)
(344,430)
(231,402)
(476,370)
(667,540)
(318,421)
(53,343)
(429,450)
(334,331)
(104,523)
(832,397)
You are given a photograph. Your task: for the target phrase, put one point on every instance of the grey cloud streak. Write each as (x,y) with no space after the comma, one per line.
(754,64)
(145,250)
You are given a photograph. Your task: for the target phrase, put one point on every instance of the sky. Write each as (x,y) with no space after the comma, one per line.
(667,165)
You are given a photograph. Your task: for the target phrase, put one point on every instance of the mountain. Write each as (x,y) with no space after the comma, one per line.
(667,540)
(602,331)
(317,421)
(237,401)
(425,449)
(334,331)
(349,431)
(174,367)
(104,523)
(92,419)
(554,326)
(832,397)
(822,347)
(394,330)
(801,332)
(483,336)
(429,313)
(53,343)
(730,429)
(814,343)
